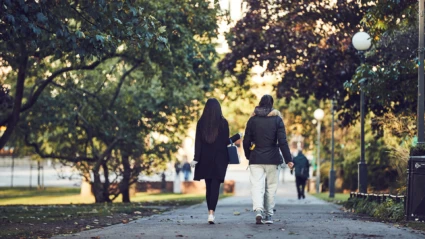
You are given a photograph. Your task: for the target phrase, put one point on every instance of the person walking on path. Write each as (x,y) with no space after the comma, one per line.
(186,170)
(211,157)
(264,136)
(302,167)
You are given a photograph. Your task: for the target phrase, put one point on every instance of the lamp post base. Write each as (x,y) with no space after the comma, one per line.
(332,183)
(362,177)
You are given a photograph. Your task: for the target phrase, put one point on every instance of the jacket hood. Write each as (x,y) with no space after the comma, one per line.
(275,113)
(260,111)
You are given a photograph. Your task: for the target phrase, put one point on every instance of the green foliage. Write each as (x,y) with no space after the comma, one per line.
(418,150)
(130,112)
(41,40)
(73,30)
(297,43)
(391,67)
(237,101)
(388,210)
(381,173)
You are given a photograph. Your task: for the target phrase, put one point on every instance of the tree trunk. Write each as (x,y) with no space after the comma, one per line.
(106,184)
(125,183)
(19,94)
(97,186)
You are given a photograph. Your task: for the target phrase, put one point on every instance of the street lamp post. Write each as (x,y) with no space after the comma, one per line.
(362,42)
(332,171)
(421,84)
(318,115)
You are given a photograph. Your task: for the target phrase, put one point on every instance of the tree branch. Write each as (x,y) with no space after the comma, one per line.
(45,83)
(121,82)
(67,158)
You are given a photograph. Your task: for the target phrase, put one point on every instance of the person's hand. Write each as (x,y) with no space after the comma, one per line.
(193,163)
(291,165)
(241,134)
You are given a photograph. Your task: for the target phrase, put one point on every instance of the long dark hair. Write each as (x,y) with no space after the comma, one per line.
(266,101)
(210,120)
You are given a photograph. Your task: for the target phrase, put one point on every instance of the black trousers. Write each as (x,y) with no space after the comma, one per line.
(300,182)
(213,187)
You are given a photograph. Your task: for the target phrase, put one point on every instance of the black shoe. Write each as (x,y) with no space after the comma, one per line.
(303,196)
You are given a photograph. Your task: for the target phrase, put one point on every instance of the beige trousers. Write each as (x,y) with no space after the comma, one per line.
(264,180)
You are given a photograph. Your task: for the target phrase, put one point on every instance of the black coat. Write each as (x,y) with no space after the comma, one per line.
(212,158)
(266,131)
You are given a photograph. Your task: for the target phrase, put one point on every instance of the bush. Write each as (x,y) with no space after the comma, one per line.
(418,150)
(388,210)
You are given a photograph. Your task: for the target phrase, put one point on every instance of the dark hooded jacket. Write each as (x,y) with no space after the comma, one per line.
(266,131)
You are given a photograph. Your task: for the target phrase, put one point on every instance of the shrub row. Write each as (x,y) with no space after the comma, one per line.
(388,210)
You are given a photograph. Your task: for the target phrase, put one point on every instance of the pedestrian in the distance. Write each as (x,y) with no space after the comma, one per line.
(211,157)
(187,171)
(302,168)
(264,136)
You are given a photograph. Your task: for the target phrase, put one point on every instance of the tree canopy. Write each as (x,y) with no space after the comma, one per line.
(128,114)
(41,40)
(307,44)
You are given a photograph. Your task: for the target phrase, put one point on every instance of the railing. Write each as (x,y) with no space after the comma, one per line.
(379,198)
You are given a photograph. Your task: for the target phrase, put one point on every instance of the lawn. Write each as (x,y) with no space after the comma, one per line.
(24,196)
(339,197)
(43,213)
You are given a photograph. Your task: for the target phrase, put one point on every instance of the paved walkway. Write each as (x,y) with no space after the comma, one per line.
(309,218)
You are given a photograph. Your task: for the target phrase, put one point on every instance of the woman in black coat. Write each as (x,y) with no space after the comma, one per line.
(211,158)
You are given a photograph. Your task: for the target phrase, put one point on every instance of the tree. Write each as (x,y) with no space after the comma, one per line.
(129,114)
(307,44)
(390,72)
(41,40)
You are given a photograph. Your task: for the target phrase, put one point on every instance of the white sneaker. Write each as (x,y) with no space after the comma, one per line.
(211,219)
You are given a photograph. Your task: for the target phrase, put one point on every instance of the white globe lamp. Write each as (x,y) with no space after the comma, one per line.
(319,114)
(362,41)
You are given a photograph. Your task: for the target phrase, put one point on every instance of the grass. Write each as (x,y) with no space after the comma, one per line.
(339,197)
(24,196)
(35,213)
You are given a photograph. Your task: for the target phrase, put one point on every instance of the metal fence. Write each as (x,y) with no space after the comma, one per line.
(379,198)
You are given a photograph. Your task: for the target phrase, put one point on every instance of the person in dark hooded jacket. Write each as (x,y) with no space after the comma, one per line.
(264,145)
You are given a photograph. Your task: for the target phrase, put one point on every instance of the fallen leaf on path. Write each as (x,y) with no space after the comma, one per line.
(125,221)
(236,213)
(96,237)
(179,236)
